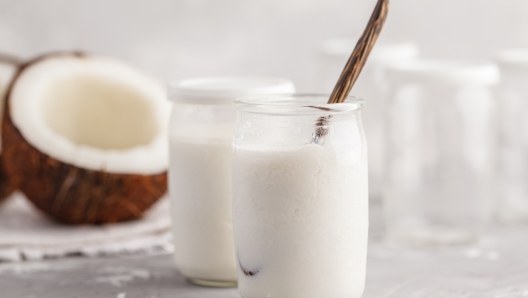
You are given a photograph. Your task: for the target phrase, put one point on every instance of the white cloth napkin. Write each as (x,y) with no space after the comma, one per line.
(27,234)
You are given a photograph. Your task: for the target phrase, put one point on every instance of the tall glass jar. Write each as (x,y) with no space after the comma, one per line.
(441,145)
(513,108)
(201,133)
(372,85)
(300,197)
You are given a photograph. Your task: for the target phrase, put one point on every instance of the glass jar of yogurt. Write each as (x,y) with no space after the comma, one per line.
(300,197)
(441,145)
(201,133)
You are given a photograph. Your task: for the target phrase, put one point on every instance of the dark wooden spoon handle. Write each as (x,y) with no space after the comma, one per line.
(361,52)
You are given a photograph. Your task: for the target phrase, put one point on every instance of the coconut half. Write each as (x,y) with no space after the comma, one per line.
(85,138)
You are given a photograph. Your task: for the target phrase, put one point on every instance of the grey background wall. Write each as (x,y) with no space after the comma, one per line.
(175,39)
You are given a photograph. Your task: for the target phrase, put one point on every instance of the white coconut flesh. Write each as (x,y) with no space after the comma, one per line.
(93,113)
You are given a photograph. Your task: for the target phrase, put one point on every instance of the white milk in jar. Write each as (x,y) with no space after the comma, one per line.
(201,133)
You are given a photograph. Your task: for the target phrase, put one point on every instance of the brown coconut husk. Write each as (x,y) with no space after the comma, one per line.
(67,193)
(6,189)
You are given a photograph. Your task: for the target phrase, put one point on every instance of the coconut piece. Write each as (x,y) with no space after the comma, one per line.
(85,138)
(6,73)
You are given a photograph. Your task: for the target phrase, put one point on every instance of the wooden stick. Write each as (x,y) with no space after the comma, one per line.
(360,54)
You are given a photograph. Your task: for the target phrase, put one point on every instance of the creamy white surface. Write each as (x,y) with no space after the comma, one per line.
(300,220)
(200,190)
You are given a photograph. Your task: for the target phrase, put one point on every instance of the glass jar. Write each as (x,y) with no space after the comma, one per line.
(513,108)
(372,85)
(300,197)
(441,151)
(200,137)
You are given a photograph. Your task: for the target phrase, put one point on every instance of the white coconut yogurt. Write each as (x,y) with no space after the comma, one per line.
(201,134)
(300,213)
(200,177)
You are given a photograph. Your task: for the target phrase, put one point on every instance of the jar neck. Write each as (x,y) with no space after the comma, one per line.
(297,130)
(296,105)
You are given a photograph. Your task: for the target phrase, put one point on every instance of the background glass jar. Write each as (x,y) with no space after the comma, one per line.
(441,148)
(201,133)
(334,53)
(513,108)
(300,197)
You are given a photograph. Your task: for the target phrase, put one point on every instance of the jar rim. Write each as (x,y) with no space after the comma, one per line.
(296,104)
(383,52)
(221,90)
(443,72)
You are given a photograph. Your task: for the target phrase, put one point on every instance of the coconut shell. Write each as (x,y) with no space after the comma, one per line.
(70,194)
(6,188)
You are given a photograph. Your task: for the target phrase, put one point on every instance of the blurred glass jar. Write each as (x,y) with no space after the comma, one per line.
(513,108)
(201,132)
(334,54)
(441,147)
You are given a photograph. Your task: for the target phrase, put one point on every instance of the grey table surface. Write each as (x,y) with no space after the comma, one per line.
(495,267)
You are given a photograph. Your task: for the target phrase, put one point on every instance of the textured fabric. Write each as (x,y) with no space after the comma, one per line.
(27,234)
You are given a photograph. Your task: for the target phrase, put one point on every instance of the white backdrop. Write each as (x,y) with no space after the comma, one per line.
(186,38)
